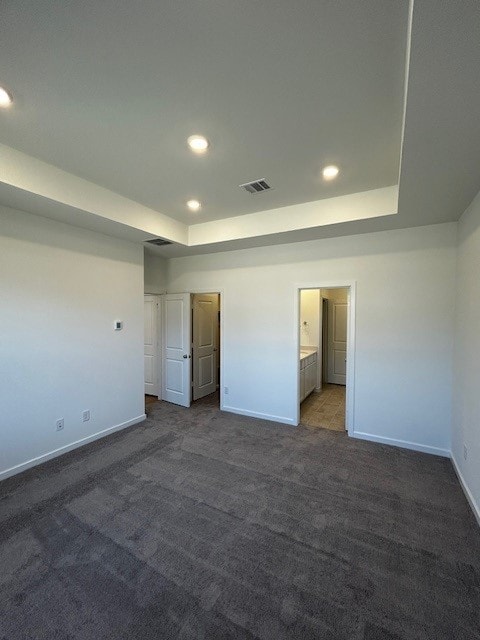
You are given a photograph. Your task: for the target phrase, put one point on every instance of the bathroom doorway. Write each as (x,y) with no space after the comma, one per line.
(326,345)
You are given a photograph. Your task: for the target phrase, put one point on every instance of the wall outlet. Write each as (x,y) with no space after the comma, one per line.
(60,424)
(465,452)
(225,389)
(86,416)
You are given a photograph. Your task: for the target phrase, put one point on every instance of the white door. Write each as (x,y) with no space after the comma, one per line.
(176,358)
(337,342)
(205,329)
(151,336)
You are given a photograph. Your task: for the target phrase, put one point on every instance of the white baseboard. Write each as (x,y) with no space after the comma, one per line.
(404,444)
(468,494)
(256,414)
(23,466)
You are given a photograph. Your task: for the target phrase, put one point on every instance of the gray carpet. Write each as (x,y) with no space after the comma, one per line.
(197,524)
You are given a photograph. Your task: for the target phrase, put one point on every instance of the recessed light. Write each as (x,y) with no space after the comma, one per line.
(5,98)
(193,205)
(198,144)
(330,172)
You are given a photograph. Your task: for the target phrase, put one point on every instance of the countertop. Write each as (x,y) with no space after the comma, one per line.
(307,351)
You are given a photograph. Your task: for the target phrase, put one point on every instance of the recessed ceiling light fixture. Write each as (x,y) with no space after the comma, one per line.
(5,98)
(330,172)
(194,205)
(197,143)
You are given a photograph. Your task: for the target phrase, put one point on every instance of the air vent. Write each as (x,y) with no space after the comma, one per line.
(257,186)
(159,242)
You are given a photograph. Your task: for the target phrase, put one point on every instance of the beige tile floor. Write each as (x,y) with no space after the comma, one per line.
(325,409)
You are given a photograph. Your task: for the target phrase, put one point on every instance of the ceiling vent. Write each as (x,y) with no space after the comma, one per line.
(257,186)
(159,242)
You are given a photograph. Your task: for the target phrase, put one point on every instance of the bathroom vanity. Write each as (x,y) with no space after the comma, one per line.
(308,372)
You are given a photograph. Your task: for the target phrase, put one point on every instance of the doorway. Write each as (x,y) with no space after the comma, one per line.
(205,344)
(191,348)
(325,356)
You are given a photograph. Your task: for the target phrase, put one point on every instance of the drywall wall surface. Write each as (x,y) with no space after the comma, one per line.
(61,290)
(339,295)
(310,317)
(404,326)
(155,273)
(466,396)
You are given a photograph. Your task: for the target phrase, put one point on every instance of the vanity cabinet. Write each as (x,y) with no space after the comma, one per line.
(308,374)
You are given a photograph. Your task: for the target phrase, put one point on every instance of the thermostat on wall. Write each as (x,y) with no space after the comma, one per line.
(118,325)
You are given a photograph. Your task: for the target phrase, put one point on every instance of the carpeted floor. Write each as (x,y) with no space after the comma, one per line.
(198,524)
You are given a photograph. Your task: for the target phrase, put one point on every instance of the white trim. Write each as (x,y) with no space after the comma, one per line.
(256,414)
(23,466)
(468,494)
(351,285)
(404,444)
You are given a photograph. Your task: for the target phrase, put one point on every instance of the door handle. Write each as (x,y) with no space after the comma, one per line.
(186,356)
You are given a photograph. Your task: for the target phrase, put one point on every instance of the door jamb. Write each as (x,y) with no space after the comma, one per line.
(350,381)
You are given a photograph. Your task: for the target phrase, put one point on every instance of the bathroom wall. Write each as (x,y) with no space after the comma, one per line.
(310,318)
(339,295)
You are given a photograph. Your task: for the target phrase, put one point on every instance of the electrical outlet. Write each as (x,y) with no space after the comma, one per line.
(60,424)
(465,452)
(86,416)
(226,391)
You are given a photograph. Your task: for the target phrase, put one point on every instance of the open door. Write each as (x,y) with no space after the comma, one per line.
(150,349)
(337,342)
(205,340)
(176,358)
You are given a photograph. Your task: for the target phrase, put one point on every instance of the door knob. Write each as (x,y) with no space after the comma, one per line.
(185,356)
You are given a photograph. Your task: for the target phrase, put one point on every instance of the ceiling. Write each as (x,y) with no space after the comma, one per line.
(106,93)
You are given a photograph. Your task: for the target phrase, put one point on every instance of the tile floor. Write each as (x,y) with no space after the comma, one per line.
(325,409)
(150,400)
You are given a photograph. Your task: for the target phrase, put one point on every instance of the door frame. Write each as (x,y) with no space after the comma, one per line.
(351,285)
(158,344)
(324,339)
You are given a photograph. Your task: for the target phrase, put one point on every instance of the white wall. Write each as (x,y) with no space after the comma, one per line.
(61,288)
(310,314)
(310,333)
(404,326)
(155,273)
(466,405)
